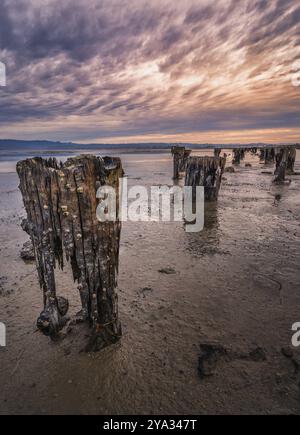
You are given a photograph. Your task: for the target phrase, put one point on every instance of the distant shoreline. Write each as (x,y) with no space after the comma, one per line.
(60,147)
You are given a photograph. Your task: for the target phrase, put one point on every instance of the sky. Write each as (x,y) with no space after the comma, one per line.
(129,71)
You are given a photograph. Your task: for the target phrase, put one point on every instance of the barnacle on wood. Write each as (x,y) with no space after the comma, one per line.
(62,223)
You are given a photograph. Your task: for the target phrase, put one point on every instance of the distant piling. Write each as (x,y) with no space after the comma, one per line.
(180,156)
(206,172)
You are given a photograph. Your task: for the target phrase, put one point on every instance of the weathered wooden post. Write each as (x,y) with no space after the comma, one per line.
(281,163)
(207,172)
(238,155)
(180,156)
(60,201)
(269,155)
(291,158)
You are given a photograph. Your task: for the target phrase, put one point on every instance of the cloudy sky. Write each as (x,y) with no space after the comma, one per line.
(150,71)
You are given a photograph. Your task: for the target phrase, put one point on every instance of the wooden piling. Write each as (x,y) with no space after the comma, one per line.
(291,158)
(238,155)
(180,156)
(207,172)
(281,155)
(60,201)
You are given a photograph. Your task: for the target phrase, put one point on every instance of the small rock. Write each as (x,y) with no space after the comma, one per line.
(230,169)
(258,354)
(248,165)
(27,252)
(167,271)
(287,352)
(209,356)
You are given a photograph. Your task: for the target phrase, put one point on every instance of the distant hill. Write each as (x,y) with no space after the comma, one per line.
(19,145)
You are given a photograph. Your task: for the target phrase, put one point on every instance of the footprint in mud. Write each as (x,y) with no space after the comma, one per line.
(212,354)
(288,353)
(145,291)
(267,283)
(4,291)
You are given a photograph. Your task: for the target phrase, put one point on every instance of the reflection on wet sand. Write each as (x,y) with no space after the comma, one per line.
(205,242)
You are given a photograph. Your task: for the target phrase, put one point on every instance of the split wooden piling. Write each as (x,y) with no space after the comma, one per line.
(60,201)
(180,156)
(207,172)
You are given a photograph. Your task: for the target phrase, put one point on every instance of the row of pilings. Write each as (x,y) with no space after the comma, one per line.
(283,157)
(208,171)
(61,202)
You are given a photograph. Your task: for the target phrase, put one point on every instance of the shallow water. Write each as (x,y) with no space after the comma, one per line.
(235,283)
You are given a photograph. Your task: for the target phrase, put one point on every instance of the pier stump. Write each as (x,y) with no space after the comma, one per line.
(207,172)
(60,201)
(268,155)
(281,155)
(291,158)
(238,155)
(180,156)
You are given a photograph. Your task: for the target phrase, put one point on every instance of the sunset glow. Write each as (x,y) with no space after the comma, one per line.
(136,71)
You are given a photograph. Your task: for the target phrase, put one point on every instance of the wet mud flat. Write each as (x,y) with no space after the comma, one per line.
(206,316)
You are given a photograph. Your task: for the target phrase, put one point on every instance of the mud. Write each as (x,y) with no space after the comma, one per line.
(236,286)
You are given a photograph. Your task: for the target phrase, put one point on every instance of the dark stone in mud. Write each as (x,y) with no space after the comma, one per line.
(248,165)
(47,323)
(287,352)
(230,169)
(27,252)
(257,355)
(167,271)
(209,356)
